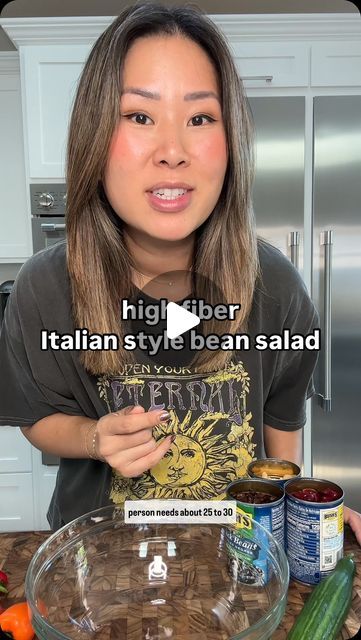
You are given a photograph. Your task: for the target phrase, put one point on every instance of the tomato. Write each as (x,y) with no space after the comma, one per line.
(4,581)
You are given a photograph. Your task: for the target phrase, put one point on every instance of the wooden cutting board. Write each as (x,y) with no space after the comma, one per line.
(298,593)
(17,549)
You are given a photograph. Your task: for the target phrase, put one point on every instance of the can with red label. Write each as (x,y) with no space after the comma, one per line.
(314,528)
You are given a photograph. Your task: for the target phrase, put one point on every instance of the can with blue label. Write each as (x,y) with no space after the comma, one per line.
(261,502)
(314,528)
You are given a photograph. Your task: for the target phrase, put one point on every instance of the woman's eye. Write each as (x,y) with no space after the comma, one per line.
(197,120)
(140,118)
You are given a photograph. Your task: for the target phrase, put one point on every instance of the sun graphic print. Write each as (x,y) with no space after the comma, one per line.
(198,466)
(213,445)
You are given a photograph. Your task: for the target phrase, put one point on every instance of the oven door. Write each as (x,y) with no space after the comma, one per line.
(47,231)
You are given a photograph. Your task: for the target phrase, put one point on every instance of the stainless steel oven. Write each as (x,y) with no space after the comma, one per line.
(48,203)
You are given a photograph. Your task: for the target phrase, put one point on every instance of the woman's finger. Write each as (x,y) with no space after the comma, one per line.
(149,459)
(127,423)
(111,445)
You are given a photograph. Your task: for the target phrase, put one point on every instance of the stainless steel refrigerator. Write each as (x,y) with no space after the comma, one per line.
(335,258)
(336,285)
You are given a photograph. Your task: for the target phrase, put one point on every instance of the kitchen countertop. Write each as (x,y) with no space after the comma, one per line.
(17,549)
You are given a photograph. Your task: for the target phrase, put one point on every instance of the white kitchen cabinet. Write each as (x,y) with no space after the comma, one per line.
(336,64)
(273,64)
(15,451)
(26,485)
(50,75)
(15,234)
(44,480)
(16,481)
(16,502)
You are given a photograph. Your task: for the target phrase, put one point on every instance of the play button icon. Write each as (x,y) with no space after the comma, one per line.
(179,320)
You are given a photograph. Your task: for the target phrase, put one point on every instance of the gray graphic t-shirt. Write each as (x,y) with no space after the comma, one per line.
(217,417)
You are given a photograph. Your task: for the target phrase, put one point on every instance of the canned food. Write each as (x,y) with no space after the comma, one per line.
(314,528)
(262,502)
(274,469)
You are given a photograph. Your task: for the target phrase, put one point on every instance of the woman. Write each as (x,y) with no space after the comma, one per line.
(159,178)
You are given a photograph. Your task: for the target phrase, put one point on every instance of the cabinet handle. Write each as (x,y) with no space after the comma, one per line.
(294,243)
(52,227)
(326,239)
(266,78)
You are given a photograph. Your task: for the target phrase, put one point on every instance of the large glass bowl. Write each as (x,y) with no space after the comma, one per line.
(99,578)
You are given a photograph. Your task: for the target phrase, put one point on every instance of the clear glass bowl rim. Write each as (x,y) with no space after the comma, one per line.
(107,515)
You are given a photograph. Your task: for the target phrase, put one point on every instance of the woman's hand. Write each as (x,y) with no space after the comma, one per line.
(126,443)
(353,519)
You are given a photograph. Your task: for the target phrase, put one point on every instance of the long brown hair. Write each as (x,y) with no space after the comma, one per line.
(98,261)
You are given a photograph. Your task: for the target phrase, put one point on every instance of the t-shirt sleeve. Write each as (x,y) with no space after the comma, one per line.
(32,383)
(285,406)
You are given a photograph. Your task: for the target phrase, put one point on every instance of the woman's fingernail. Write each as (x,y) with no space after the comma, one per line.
(172,438)
(165,416)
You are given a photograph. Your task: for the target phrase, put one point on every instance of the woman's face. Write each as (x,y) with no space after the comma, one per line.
(170,136)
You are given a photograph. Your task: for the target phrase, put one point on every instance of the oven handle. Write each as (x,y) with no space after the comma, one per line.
(52,227)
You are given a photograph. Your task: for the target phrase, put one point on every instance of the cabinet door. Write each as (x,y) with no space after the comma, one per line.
(16,502)
(15,451)
(336,64)
(43,489)
(273,64)
(15,237)
(50,75)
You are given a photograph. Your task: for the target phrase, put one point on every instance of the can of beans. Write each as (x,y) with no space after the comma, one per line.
(262,502)
(274,469)
(314,528)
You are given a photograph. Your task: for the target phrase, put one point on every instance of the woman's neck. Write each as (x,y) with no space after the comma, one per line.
(162,268)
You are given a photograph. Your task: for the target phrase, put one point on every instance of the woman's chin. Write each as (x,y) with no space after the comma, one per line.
(170,234)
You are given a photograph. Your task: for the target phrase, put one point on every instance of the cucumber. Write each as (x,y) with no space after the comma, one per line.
(326,609)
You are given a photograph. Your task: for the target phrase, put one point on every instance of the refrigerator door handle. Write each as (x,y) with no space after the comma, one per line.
(294,243)
(326,239)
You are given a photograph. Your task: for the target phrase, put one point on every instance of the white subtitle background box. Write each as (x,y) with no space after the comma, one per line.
(180,511)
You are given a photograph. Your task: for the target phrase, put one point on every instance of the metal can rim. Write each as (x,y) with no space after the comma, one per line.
(270,483)
(270,461)
(315,480)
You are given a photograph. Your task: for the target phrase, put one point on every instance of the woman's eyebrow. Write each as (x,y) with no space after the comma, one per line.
(195,95)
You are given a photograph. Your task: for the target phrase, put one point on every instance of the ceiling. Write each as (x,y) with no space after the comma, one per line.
(44,8)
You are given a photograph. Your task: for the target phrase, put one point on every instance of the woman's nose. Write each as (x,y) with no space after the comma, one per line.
(171,149)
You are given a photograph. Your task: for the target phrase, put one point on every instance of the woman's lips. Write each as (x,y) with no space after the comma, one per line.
(170,206)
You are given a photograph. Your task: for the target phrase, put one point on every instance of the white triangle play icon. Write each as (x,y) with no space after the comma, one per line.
(179,320)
